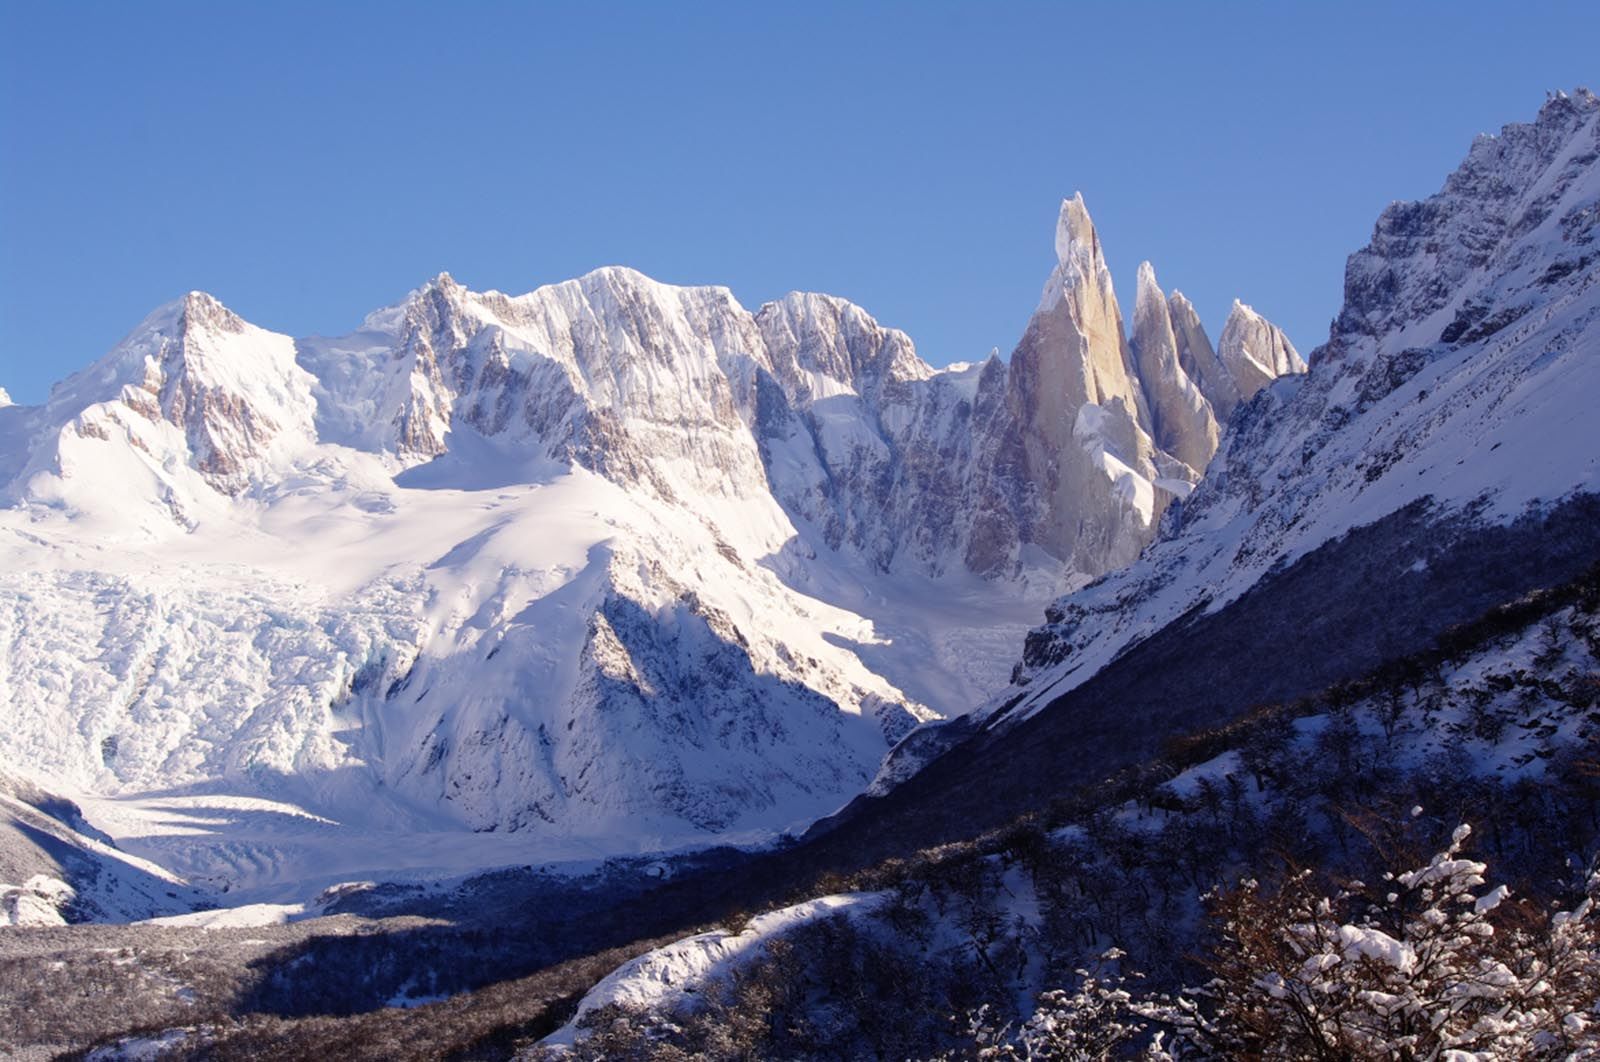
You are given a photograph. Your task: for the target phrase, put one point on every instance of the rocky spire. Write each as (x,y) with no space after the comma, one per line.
(1255,351)
(1080,320)
(1183,420)
(1199,358)
(1080,422)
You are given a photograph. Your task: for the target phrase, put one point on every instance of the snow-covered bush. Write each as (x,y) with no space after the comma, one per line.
(1431,964)
(1093,1021)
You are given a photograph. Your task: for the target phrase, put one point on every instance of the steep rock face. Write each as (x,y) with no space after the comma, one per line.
(1105,434)
(1185,422)
(1199,359)
(194,407)
(1454,379)
(669,713)
(613,372)
(1436,462)
(1254,351)
(1082,422)
(1071,450)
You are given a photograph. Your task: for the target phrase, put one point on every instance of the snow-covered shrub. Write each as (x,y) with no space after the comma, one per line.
(1428,964)
(1093,1021)
(1431,964)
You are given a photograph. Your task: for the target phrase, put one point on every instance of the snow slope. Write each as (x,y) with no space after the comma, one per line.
(55,867)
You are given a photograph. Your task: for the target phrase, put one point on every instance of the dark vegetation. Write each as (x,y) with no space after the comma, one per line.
(114,992)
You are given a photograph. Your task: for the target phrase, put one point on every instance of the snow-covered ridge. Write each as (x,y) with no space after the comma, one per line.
(677,974)
(1460,370)
(679,391)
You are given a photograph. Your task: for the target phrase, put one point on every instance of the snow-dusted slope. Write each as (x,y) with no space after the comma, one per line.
(613,564)
(1461,370)
(188,412)
(679,973)
(45,842)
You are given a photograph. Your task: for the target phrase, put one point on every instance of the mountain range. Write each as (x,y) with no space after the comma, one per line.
(611,566)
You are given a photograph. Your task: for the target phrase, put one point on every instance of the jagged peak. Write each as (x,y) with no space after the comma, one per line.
(1559,109)
(808,301)
(1243,320)
(1425,254)
(612,278)
(1243,315)
(1517,153)
(1148,294)
(607,281)
(169,331)
(1180,309)
(1243,311)
(191,310)
(1255,350)
(893,354)
(1076,239)
(1559,102)
(203,310)
(807,305)
(5,399)
(440,285)
(1078,256)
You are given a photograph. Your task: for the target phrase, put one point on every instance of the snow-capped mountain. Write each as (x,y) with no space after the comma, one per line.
(611,563)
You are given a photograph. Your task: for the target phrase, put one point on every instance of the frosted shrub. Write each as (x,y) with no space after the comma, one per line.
(1094,1021)
(1429,965)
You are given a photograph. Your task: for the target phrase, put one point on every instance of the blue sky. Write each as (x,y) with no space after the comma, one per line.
(307,163)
